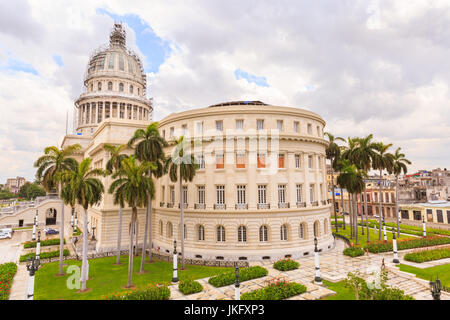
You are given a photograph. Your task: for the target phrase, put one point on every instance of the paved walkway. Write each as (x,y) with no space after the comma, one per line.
(20,283)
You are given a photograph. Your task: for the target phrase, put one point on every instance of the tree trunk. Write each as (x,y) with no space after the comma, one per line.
(182,220)
(130,253)
(85,248)
(381,198)
(334,200)
(356,216)
(367,213)
(350,209)
(396,206)
(61,233)
(342,206)
(362,212)
(119,236)
(136,234)
(144,245)
(150,226)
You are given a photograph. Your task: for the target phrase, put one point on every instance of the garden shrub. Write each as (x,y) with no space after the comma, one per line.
(286,265)
(428,255)
(7,273)
(190,287)
(278,290)
(44,243)
(227,278)
(149,292)
(353,252)
(43,255)
(378,247)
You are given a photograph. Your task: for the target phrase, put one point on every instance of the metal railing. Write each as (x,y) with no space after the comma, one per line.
(220,206)
(315,203)
(263,205)
(185,205)
(199,206)
(301,204)
(169,205)
(240,206)
(282,205)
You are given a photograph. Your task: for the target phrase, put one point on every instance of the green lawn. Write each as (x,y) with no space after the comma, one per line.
(443,272)
(342,293)
(108,278)
(362,239)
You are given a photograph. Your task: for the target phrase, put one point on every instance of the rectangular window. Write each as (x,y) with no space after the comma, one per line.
(309,128)
(281,193)
(172,195)
(219,161)
(417,215)
(241,194)
(240,124)
(280,125)
(405,214)
(172,132)
(111,61)
(164,134)
(199,127)
(184,129)
(440,217)
(259,124)
(310,162)
(185,194)
(281,161)
(121,64)
(262,194)
(296,126)
(318,131)
(201,161)
(448,216)
(311,193)
(163,192)
(201,194)
(429,215)
(219,125)
(297,161)
(240,160)
(220,194)
(261,160)
(299,193)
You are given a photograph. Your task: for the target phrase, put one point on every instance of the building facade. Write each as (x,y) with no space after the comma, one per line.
(14,184)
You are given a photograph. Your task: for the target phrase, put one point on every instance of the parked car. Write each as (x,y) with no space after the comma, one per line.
(50,231)
(5,235)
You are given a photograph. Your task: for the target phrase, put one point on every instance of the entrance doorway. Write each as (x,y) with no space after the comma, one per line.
(50,217)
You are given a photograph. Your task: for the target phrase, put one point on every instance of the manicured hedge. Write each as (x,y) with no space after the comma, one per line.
(190,287)
(149,292)
(353,252)
(286,265)
(227,278)
(44,243)
(7,273)
(275,291)
(43,255)
(428,255)
(407,244)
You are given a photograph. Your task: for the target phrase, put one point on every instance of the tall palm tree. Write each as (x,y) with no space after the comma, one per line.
(348,152)
(114,163)
(149,147)
(49,169)
(383,160)
(87,190)
(181,166)
(132,185)
(333,152)
(399,166)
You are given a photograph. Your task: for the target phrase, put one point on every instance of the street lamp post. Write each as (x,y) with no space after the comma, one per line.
(175,263)
(75,223)
(394,246)
(435,287)
(237,290)
(38,246)
(33,237)
(384,231)
(71,220)
(32,267)
(317,279)
(424,227)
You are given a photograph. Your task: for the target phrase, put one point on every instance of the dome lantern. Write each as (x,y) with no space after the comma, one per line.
(117,36)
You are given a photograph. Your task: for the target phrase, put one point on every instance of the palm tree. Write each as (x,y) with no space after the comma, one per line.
(114,163)
(399,165)
(383,160)
(181,166)
(333,153)
(87,190)
(348,154)
(363,156)
(150,148)
(132,185)
(50,166)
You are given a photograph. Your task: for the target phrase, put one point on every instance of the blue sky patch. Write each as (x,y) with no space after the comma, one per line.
(155,49)
(260,81)
(58,60)
(17,65)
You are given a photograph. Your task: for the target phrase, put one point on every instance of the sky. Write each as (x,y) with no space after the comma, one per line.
(380,67)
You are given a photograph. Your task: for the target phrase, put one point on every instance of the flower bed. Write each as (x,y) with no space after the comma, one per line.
(428,255)
(7,273)
(278,290)
(43,255)
(245,274)
(44,243)
(286,265)
(353,252)
(149,292)
(407,244)
(190,287)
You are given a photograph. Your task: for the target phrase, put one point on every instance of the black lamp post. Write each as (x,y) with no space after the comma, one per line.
(32,267)
(237,290)
(394,247)
(435,287)
(175,263)
(317,279)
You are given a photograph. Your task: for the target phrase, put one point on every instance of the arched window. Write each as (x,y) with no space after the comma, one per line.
(160,227)
(121,87)
(284,232)
(169,233)
(220,233)
(325,226)
(263,234)
(200,233)
(92,87)
(110,86)
(131,89)
(179,231)
(316,229)
(242,234)
(302,231)
(99,86)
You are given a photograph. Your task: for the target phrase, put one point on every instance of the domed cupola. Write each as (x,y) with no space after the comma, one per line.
(115,85)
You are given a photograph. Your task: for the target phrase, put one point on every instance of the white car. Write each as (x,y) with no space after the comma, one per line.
(5,235)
